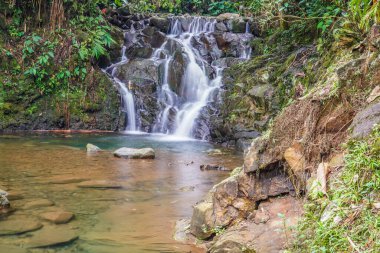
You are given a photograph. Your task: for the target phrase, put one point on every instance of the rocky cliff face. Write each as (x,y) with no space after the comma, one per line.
(155,47)
(251,211)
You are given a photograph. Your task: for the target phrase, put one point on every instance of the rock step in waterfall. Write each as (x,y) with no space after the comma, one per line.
(170,73)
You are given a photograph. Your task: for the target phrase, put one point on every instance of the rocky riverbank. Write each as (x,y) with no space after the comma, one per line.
(257,207)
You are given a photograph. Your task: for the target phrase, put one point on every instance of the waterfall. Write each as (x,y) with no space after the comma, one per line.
(128,102)
(195,86)
(189,66)
(128,106)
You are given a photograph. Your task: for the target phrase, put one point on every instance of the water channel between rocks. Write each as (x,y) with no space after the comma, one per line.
(138,215)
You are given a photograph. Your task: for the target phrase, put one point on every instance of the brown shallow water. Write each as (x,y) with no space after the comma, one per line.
(139,217)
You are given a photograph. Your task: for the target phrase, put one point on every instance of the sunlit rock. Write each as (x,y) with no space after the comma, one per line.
(132,153)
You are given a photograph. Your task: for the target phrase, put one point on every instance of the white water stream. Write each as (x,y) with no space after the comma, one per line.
(181,108)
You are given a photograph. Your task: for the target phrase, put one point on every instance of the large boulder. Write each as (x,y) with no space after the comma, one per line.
(177,67)
(261,235)
(162,24)
(139,51)
(131,153)
(202,224)
(153,37)
(138,71)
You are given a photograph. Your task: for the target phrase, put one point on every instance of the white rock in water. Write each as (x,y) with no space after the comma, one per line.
(92,148)
(131,153)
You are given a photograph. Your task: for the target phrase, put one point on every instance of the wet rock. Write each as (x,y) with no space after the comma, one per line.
(138,51)
(215,152)
(204,167)
(4,202)
(131,153)
(229,43)
(18,226)
(38,203)
(57,217)
(221,27)
(187,189)
(66,180)
(201,220)
(15,195)
(365,120)
(153,37)
(138,71)
(182,232)
(52,236)
(92,148)
(124,11)
(161,23)
(12,249)
(100,184)
(177,69)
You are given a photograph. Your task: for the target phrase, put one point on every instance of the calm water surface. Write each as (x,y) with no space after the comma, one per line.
(139,217)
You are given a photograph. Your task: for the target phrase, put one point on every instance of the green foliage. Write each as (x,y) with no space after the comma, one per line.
(365,13)
(220,7)
(353,223)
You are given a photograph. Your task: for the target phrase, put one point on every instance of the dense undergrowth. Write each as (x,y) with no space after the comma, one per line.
(50,49)
(347,219)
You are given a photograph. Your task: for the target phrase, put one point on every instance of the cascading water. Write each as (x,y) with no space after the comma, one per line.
(195,86)
(128,102)
(189,64)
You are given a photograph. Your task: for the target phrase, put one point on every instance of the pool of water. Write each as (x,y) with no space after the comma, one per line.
(139,217)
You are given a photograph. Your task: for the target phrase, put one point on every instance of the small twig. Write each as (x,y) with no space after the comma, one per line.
(353,244)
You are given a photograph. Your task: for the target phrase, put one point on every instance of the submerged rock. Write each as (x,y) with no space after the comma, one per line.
(38,203)
(132,153)
(52,236)
(19,226)
(213,167)
(100,184)
(57,217)
(4,202)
